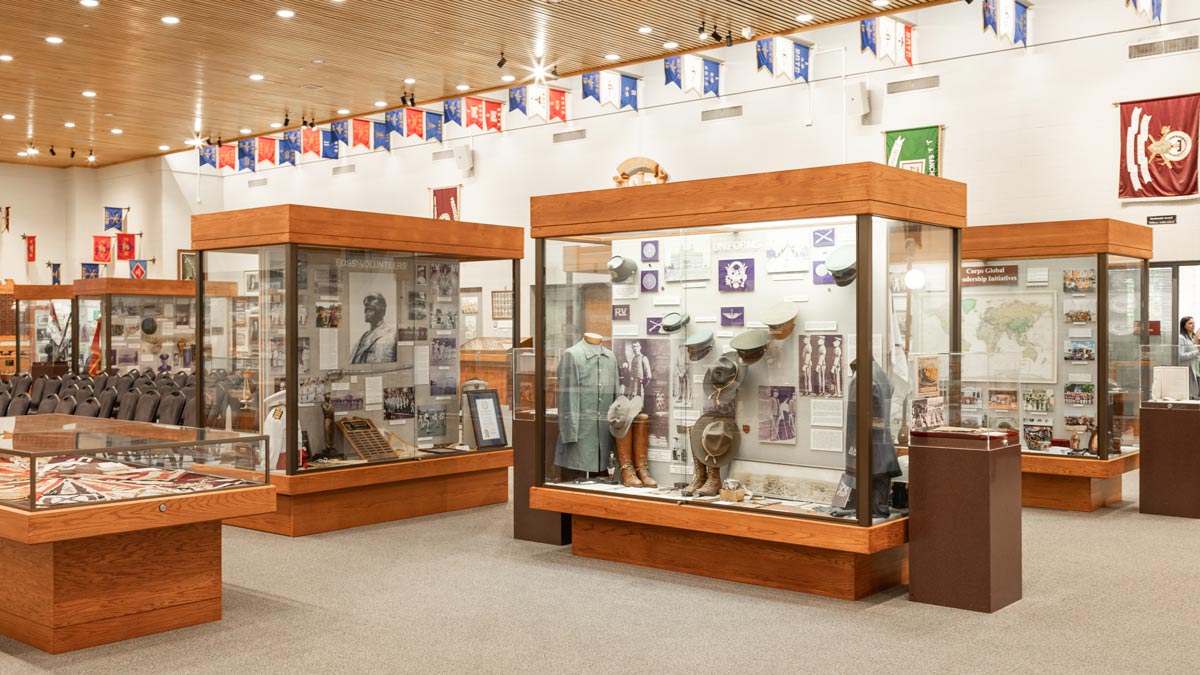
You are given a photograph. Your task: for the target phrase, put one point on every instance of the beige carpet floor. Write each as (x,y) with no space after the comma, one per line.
(1109,592)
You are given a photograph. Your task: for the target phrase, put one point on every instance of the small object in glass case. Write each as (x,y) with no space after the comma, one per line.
(650,251)
(842,265)
(621,268)
(621,414)
(723,379)
(751,345)
(715,440)
(650,281)
(149,326)
(675,321)
(781,319)
(699,344)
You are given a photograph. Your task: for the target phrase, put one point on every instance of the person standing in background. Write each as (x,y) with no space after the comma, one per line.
(1189,354)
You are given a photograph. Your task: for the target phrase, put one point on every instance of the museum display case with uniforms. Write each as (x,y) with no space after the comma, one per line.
(45,329)
(342,344)
(723,365)
(111,530)
(1069,297)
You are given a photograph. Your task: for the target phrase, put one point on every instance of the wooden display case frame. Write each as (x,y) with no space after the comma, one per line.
(824,557)
(327,499)
(47,292)
(1059,481)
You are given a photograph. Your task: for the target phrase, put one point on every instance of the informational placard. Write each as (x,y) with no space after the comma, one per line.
(990,275)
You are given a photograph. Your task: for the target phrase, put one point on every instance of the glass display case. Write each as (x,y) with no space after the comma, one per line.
(738,361)
(350,355)
(8,330)
(1077,320)
(56,461)
(45,329)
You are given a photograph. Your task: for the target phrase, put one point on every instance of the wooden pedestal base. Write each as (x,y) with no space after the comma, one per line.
(78,593)
(336,500)
(1073,484)
(754,547)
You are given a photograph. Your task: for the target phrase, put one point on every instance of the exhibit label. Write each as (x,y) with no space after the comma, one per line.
(990,275)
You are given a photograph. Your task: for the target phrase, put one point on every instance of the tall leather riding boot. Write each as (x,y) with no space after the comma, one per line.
(712,486)
(699,476)
(641,450)
(625,459)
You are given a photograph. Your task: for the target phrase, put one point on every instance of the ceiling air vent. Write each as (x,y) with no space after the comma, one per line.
(917,84)
(568,136)
(721,113)
(1170,47)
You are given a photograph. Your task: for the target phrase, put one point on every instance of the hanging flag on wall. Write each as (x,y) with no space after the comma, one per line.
(30,248)
(311,139)
(114,218)
(1021,24)
(629,91)
(414,123)
(868,38)
(90,271)
(1007,19)
(101,249)
(433,126)
(783,57)
(606,88)
(227,157)
(1153,7)
(516,99)
(126,246)
(361,130)
(382,137)
(55,274)
(800,61)
(473,112)
(537,102)
(290,147)
(246,158)
(558,104)
(266,151)
(341,131)
(137,269)
(918,149)
(888,39)
(446,202)
(1158,148)
(712,77)
(208,156)
(329,144)
(673,70)
(394,121)
(452,110)
(493,115)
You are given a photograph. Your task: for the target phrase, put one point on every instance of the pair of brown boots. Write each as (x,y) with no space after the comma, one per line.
(633,454)
(707,480)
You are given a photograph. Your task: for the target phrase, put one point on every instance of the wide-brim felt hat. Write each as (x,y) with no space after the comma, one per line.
(714,439)
(722,379)
(699,344)
(751,345)
(842,264)
(621,414)
(674,322)
(621,268)
(474,384)
(780,319)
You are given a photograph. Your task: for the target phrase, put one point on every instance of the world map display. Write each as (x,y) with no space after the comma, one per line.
(1020,323)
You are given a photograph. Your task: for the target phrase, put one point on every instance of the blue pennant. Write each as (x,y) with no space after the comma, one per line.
(114,218)
(766,54)
(1021,24)
(629,91)
(395,121)
(433,126)
(800,56)
(990,18)
(673,69)
(290,147)
(246,158)
(591,86)
(453,111)
(208,156)
(712,77)
(341,131)
(516,98)
(329,145)
(382,135)
(868,28)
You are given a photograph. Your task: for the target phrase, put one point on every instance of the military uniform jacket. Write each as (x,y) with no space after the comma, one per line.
(587,386)
(883,449)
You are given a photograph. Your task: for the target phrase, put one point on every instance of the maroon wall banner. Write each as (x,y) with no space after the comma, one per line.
(1158,148)
(447,202)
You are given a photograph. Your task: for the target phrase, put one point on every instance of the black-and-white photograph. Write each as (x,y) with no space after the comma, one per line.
(928,413)
(346,402)
(329,315)
(183,315)
(682,373)
(251,282)
(372,317)
(443,279)
(445,316)
(327,280)
(312,390)
(644,367)
(422,275)
(411,334)
(416,306)
(788,253)
(443,352)
(688,261)
(443,382)
(777,414)
(278,353)
(680,453)
(399,403)
(821,365)
(431,421)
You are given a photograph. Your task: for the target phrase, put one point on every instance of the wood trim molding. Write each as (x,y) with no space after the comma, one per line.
(43,292)
(736,523)
(1082,468)
(157,287)
(1058,238)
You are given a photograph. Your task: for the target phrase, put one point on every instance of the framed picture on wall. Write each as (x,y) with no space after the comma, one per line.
(502,305)
(486,419)
(186,265)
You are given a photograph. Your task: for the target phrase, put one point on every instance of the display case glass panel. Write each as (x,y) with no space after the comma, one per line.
(738,346)
(123,332)
(45,327)
(93,341)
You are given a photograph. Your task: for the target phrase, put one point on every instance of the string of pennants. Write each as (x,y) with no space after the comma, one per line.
(1152,7)
(1007,19)
(103,252)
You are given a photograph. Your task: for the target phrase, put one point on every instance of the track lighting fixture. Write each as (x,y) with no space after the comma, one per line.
(32,150)
(412,99)
(72,153)
(286,120)
(91,156)
(303,121)
(554,72)
(729,36)
(52,152)
(312,124)
(218,141)
(703,32)
(715,35)
(502,61)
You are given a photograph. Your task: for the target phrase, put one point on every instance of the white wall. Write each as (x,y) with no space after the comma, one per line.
(38,198)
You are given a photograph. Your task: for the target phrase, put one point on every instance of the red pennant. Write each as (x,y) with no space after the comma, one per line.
(101,249)
(494,111)
(126,246)
(474,112)
(30,248)
(414,123)
(362,133)
(311,141)
(227,157)
(266,150)
(558,105)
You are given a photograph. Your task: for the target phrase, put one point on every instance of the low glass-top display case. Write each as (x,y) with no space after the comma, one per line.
(46,329)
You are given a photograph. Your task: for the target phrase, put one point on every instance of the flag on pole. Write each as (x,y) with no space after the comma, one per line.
(1158,148)
(137,269)
(361,130)
(329,144)
(208,156)
(227,157)
(918,149)
(246,158)
(89,270)
(101,249)
(30,248)
(414,123)
(266,150)
(433,126)
(55,274)
(114,218)
(94,355)
(126,246)
(312,141)
(445,202)
(452,110)
(383,137)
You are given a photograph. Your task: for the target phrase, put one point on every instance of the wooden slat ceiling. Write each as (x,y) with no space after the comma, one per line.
(151,78)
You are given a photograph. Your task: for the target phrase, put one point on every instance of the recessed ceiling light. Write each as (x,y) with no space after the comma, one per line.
(409,80)
(164,147)
(276,125)
(804,18)
(69,125)
(463,87)
(881,3)
(343,111)
(89,94)
(285,14)
(118,131)
(507,78)
(5,57)
(380,104)
(32,150)
(8,116)
(257,77)
(170,20)
(90,3)
(645,30)
(245,131)
(670,45)
(22,154)
(54,40)
(612,57)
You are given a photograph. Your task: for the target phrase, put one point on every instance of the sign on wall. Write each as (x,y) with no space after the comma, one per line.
(918,149)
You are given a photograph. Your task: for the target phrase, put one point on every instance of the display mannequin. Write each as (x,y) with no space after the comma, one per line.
(884,463)
(587,386)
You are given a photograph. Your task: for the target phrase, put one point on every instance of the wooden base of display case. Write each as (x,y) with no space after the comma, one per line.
(1072,483)
(795,554)
(91,575)
(323,501)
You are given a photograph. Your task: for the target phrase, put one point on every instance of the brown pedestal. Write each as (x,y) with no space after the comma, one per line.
(795,554)
(1074,483)
(964,525)
(324,501)
(530,524)
(1170,460)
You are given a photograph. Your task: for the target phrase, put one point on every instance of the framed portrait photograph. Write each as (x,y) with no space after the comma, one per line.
(486,419)
(186,265)
(252,282)
(502,305)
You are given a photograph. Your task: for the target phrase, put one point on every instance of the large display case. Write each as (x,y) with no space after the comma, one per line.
(343,346)
(143,324)
(1070,298)
(8,330)
(46,330)
(712,355)
(111,530)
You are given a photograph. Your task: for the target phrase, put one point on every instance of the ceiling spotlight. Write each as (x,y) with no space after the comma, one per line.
(8,116)
(409,80)
(69,125)
(52,152)
(72,153)
(219,139)
(645,30)
(89,94)
(612,57)
(32,150)
(170,20)
(554,73)
(881,3)
(715,35)
(380,104)
(244,131)
(312,124)
(729,37)
(257,77)
(90,3)
(747,33)
(343,111)
(5,57)
(670,45)
(303,122)
(164,147)
(91,156)
(507,78)
(54,40)
(22,154)
(703,32)
(804,18)
(286,121)
(463,87)
(502,61)
(118,131)
(285,14)
(412,100)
